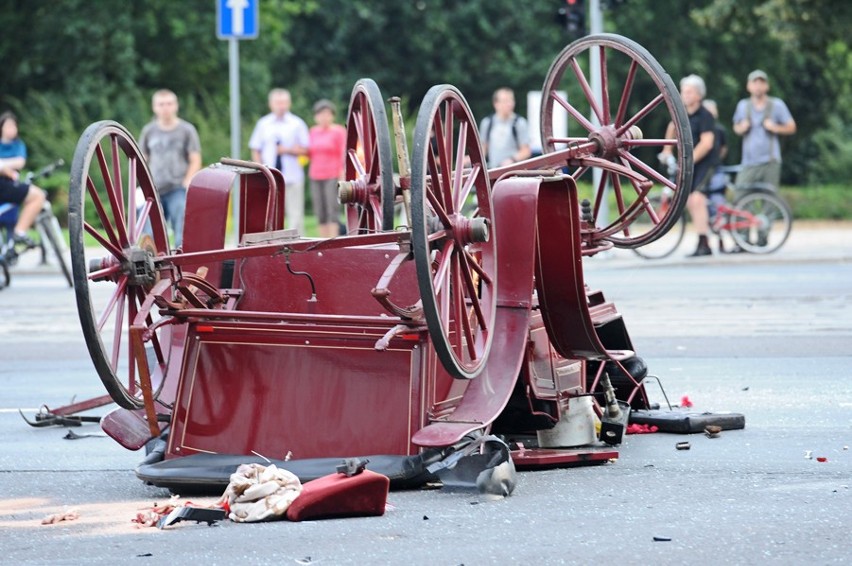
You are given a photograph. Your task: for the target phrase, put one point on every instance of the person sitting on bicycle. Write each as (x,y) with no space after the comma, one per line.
(13,157)
(701,123)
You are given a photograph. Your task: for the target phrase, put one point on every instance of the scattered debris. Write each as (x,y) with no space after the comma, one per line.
(425,518)
(207,515)
(809,454)
(305,560)
(683,446)
(150,516)
(71,435)
(641,428)
(745,388)
(685,402)
(846,448)
(68,515)
(822,459)
(147,554)
(662,539)
(712,431)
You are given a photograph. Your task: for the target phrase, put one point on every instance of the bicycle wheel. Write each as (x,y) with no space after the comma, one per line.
(666,244)
(760,222)
(49,227)
(4,274)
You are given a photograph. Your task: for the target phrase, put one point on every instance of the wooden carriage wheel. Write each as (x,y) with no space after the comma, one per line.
(112,258)
(638,102)
(453,237)
(370,195)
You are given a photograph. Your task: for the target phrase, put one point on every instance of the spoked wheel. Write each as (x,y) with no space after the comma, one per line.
(665,245)
(453,237)
(638,101)
(49,229)
(369,193)
(113,260)
(761,221)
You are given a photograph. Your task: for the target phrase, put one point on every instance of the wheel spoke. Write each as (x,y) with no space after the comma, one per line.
(459,168)
(432,198)
(471,289)
(649,142)
(639,115)
(117,183)
(441,182)
(131,197)
(619,199)
(440,278)
(99,207)
(485,277)
(119,328)
(104,273)
(604,87)
(356,163)
(469,183)
(573,112)
(587,90)
(463,330)
(110,306)
(646,170)
(600,194)
(117,253)
(625,94)
(114,200)
(143,217)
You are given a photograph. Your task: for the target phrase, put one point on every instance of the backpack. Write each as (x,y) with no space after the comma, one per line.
(767,110)
(486,131)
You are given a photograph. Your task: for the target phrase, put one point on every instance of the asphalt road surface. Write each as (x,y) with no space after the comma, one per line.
(767,337)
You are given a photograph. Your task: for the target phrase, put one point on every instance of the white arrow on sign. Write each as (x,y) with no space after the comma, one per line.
(237,8)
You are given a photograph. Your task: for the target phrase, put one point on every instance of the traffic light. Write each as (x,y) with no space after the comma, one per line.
(572,16)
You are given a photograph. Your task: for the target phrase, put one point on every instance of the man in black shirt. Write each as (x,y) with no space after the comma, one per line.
(701,123)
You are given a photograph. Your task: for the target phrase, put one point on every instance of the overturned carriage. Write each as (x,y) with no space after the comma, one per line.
(466,323)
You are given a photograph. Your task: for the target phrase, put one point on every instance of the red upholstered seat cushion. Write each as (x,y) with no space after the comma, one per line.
(336,495)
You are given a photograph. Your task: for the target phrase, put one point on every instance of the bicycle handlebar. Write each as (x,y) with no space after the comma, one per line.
(44,171)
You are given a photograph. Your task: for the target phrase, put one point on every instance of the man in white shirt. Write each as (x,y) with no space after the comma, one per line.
(278,140)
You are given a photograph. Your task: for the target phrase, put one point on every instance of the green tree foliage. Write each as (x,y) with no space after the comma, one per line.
(68,63)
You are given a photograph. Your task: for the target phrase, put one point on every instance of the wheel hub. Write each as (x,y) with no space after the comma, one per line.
(355,192)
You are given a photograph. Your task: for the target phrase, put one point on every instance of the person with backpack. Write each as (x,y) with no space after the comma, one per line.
(760,120)
(505,135)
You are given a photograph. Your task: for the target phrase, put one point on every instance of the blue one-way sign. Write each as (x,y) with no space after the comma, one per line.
(237,19)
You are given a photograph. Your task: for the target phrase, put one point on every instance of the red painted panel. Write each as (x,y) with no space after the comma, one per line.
(343,279)
(244,392)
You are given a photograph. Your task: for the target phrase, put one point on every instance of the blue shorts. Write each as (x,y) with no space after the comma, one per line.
(12,191)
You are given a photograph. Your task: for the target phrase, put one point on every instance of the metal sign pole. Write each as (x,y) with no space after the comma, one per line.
(595,27)
(234,78)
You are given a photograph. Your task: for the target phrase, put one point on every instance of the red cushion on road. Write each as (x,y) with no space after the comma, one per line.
(362,495)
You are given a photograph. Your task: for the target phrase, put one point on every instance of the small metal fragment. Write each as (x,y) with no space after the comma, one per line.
(809,454)
(712,431)
(683,446)
(662,539)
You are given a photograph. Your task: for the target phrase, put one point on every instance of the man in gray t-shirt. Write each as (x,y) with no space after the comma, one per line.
(505,135)
(760,120)
(173,152)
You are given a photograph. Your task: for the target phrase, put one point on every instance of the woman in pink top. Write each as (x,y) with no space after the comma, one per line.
(327,151)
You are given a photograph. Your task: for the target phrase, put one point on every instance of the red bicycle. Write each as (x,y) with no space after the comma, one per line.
(758,220)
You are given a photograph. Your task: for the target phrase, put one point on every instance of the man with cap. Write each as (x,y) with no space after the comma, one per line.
(760,120)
